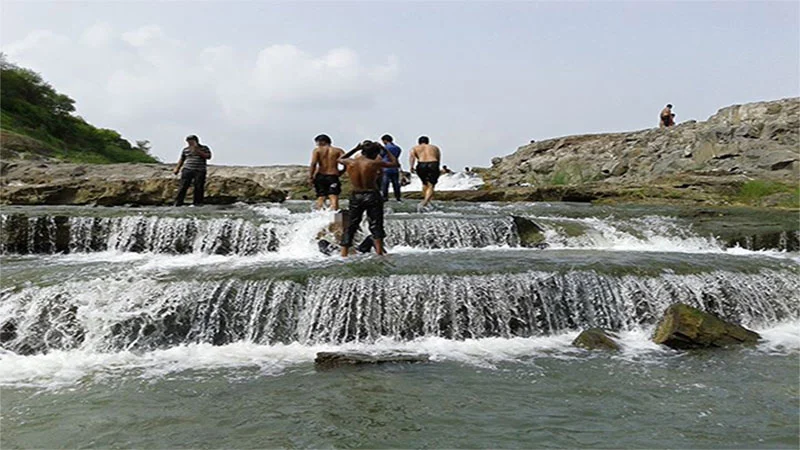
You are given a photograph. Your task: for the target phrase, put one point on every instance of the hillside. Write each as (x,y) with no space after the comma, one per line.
(742,154)
(37,122)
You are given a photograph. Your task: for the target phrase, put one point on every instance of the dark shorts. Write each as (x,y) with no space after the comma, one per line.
(371,203)
(428,172)
(326,185)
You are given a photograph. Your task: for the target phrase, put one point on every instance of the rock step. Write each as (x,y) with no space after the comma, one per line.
(684,327)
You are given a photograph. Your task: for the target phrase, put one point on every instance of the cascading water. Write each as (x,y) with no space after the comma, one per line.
(112,314)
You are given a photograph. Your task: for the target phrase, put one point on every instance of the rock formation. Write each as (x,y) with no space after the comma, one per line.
(596,339)
(684,327)
(330,360)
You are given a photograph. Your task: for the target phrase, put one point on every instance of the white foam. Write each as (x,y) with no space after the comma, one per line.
(60,368)
(652,234)
(450,182)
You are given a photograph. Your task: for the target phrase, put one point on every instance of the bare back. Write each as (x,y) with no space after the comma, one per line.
(327,159)
(364,173)
(426,153)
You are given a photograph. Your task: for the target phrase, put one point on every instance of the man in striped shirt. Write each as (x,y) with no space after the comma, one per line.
(193,162)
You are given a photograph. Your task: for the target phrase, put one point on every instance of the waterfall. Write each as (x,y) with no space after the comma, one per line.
(115,313)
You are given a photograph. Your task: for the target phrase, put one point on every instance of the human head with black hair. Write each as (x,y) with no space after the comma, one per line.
(423,140)
(370,149)
(323,139)
(387,139)
(669,106)
(192,138)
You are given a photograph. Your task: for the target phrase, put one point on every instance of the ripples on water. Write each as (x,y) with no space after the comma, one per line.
(168,328)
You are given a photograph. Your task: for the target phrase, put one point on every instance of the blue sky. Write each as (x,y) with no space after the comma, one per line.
(257,80)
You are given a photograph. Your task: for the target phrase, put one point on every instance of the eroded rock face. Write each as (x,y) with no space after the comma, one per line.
(48,183)
(596,339)
(331,360)
(759,140)
(684,327)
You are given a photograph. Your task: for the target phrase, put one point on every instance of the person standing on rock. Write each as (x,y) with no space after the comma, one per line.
(193,161)
(427,157)
(364,173)
(323,172)
(391,175)
(667,118)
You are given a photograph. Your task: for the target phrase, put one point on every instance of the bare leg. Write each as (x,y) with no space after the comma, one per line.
(345,251)
(379,246)
(334,199)
(428,191)
(320,203)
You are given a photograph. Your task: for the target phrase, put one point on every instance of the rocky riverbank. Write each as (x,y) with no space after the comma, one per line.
(744,154)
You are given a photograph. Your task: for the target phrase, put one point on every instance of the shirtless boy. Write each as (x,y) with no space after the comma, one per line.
(323,173)
(365,172)
(428,157)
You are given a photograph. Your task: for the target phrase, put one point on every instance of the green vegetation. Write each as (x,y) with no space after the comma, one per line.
(753,191)
(35,118)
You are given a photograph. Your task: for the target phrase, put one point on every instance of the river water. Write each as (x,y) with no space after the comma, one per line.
(198,327)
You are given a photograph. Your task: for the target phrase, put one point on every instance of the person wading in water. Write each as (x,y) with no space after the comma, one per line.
(365,172)
(193,162)
(428,167)
(323,172)
(390,176)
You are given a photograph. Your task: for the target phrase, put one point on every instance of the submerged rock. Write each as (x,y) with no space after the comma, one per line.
(596,339)
(684,327)
(530,234)
(330,360)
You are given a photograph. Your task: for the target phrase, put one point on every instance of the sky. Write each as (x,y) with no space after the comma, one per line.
(257,80)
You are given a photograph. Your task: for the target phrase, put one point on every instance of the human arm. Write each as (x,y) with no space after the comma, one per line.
(411,159)
(392,161)
(312,168)
(345,159)
(438,154)
(179,164)
(202,151)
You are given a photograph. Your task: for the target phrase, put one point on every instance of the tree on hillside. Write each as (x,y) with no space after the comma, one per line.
(30,106)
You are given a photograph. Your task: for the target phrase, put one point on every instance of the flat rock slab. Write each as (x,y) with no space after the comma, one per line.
(684,327)
(331,360)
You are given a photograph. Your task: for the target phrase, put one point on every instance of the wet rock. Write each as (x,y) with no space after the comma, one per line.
(530,234)
(684,327)
(596,339)
(331,360)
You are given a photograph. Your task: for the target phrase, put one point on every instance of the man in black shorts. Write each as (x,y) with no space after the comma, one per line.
(323,173)
(428,157)
(365,172)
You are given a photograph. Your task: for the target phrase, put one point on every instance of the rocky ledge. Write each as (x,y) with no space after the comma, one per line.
(709,162)
(53,183)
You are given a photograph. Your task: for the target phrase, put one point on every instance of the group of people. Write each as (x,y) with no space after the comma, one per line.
(371,172)
(371,166)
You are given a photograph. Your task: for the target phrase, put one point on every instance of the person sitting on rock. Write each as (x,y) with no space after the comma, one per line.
(323,172)
(193,161)
(365,173)
(446,171)
(667,118)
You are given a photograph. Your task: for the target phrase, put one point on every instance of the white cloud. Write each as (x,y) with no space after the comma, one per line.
(149,84)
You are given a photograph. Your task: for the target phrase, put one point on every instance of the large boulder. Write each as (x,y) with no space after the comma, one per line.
(684,327)
(596,339)
(330,360)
